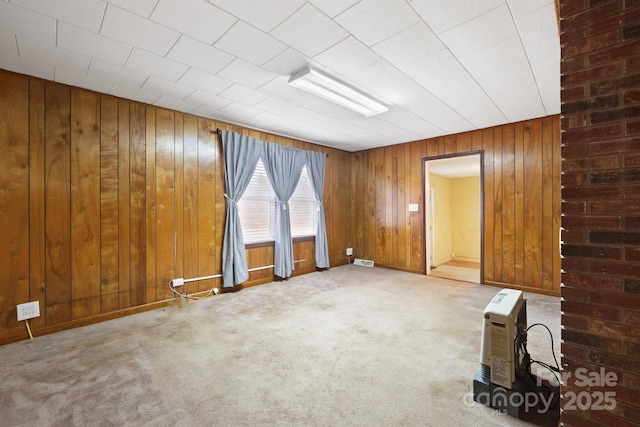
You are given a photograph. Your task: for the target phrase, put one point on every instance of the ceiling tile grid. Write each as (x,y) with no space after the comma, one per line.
(440,66)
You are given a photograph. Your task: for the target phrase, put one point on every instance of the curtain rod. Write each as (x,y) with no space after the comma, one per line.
(219,132)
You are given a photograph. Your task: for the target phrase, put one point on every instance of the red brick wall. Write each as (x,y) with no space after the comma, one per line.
(601,210)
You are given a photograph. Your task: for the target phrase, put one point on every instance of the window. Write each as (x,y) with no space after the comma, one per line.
(257,208)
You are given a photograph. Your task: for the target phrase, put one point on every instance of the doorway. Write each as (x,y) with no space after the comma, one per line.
(453,216)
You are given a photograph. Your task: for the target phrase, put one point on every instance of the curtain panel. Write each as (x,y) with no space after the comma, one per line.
(283,166)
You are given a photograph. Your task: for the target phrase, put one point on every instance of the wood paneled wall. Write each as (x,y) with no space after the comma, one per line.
(521,202)
(103,201)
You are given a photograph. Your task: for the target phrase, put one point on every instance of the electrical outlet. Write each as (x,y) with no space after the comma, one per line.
(177,282)
(28,310)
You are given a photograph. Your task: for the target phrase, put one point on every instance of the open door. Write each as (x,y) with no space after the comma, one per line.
(453,216)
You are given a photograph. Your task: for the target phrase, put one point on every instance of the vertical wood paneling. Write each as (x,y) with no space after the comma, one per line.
(508,204)
(85,204)
(137,207)
(547,204)
(150,206)
(521,185)
(190,216)
(206,202)
(165,202)
(14,197)
(179,194)
(109,205)
(124,199)
(36,199)
(533,203)
(58,203)
(489,204)
(498,217)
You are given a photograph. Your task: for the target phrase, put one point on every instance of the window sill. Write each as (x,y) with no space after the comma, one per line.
(271,242)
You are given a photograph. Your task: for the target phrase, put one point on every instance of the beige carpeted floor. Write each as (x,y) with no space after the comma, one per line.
(351,346)
(456,270)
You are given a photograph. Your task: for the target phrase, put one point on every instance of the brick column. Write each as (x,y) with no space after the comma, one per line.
(601,211)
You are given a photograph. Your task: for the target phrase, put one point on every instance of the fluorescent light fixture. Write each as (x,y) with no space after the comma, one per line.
(323,85)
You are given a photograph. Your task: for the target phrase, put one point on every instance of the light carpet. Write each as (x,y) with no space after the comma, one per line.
(351,346)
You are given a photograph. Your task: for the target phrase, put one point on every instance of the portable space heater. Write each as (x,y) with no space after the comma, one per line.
(505,381)
(505,323)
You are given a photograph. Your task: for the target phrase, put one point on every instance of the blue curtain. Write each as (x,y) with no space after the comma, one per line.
(316,166)
(241,153)
(283,166)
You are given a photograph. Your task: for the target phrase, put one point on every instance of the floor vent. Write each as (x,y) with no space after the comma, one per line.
(363,262)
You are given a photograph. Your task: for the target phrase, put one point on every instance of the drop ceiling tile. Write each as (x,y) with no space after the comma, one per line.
(176,104)
(373,21)
(409,122)
(86,14)
(350,55)
(537,25)
(263,14)
(200,55)
(114,73)
(167,88)
(210,100)
(281,89)
(287,63)
(195,18)
(268,119)
(74,78)
(198,79)
(324,106)
(130,28)
(544,57)
(8,45)
(475,106)
(25,23)
(332,8)
(309,31)
(29,66)
(159,66)
(484,31)
(250,44)
(485,64)
(206,111)
(240,110)
(139,7)
(246,74)
(438,73)
(445,15)
(275,106)
(384,81)
(88,43)
(522,7)
(433,110)
(135,94)
(416,42)
(47,54)
(243,95)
